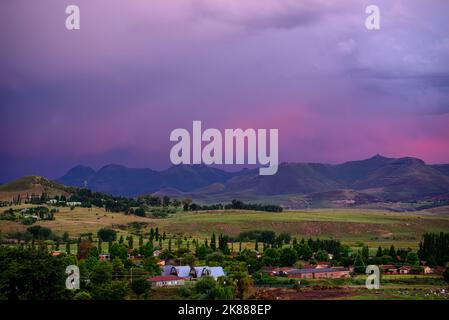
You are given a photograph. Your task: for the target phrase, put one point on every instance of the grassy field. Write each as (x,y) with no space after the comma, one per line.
(351,226)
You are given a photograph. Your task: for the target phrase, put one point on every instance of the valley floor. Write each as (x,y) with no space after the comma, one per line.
(351,226)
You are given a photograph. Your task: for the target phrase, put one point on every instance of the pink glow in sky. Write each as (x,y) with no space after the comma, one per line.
(113,91)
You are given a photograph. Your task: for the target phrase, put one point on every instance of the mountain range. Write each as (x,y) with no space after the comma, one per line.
(375,179)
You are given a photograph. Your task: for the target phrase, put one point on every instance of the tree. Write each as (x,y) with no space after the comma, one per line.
(139,286)
(186,204)
(118,269)
(65,237)
(321,255)
(365,253)
(106,234)
(412,259)
(434,248)
(392,252)
(130,242)
(140,241)
(28,274)
(119,250)
(101,273)
(114,290)
(446,275)
(270,257)
(379,252)
(213,243)
(82,295)
(165,201)
(205,288)
(288,256)
(304,251)
(151,267)
(242,282)
(359,264)
(40,233)
(84,248)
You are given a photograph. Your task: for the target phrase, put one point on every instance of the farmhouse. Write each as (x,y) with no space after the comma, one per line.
(193,272)
(428,270)
(104,257)
(309,273)
(166,281)
(388,269)
(73,203)
(405,269)
(329,273)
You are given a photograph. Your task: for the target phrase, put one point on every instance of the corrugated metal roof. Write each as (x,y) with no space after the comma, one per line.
(322,270)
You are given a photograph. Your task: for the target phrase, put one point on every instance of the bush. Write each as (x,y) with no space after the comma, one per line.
(82,295)
(139,286)
(107,234)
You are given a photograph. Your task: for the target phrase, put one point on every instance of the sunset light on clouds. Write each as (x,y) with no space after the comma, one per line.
(112,91)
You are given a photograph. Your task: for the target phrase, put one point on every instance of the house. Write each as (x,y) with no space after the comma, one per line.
(214,272)
(388,269)
(322,264)
(180,271)
(405,269)
(166,281)
(193,272)
(328,273)
(428,270)
(156,253)
(276,271)
(73,203)
(104,256)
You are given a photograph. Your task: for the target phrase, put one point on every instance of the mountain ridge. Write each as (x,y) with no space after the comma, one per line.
(378,177)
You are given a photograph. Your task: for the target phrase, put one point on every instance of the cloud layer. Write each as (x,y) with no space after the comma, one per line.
(113,91)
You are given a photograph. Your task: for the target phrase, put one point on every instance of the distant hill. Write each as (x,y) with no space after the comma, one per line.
(31,185)
(375,179)
(120,180)
(443,168)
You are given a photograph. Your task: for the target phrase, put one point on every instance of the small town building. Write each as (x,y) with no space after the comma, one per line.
(193,272)
(104,256)
(388,269)
(166,281)
(156,253)
(428,270)
(405,269)
(322,264)
(328,273)
(73,203)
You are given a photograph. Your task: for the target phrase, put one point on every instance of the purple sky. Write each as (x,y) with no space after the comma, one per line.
(113,91)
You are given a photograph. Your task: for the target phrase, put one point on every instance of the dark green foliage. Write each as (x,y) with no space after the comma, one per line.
(288,256)
(31,274)
(434,248)
(139,286)
(107,234)
(40,233)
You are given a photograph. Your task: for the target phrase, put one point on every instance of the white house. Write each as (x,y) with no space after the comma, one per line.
(166,281)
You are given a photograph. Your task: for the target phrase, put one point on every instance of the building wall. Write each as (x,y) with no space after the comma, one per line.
(169,283)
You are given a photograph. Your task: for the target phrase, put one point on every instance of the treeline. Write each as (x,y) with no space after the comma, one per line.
(29,216)
(239,205)
(234,205)
(158,207)
(434,248)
